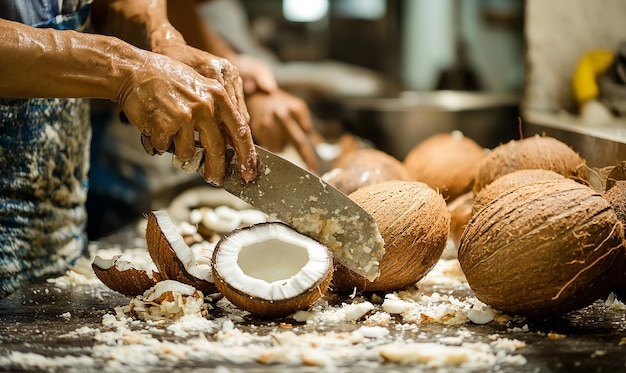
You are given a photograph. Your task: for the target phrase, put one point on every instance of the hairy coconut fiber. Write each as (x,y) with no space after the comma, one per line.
(510,181)
(537,152)
(364,167)
(616,196)
(543,249)
(446,162)
(414,222)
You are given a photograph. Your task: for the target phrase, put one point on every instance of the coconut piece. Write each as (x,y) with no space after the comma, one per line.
(542,249)
(460,214)
(414,222)
(616,196)
(269,269)
(510,181)
(446,162)
(174,259)
(537,152)
(364,167)
(122,276)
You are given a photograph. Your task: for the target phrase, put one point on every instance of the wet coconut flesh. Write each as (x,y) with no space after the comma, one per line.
(269,269)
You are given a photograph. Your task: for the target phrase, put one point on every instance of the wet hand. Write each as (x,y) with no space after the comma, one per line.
(277,118)
(169,102)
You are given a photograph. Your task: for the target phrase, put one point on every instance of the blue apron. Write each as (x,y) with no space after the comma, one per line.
(44,160)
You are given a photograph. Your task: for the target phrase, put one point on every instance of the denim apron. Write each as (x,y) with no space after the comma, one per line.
(44,160)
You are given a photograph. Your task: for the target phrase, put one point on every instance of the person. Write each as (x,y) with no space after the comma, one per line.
(125,183)
(171,93)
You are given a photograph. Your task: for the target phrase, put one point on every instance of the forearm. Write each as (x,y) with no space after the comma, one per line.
(49,63)
(143,23)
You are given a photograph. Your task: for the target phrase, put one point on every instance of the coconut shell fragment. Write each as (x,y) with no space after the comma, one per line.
(414,222)
(537,152)
(171,255)
(446,162)
(543,249)
(121,276)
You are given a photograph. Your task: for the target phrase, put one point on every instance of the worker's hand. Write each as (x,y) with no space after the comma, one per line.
(256,75)
(209,66)
(169,102)
(277,118)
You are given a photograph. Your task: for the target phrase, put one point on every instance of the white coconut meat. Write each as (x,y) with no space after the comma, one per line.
(271,261)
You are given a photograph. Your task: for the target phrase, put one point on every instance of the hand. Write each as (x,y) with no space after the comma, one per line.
(169,101)
(210,66)
(278,117)
(256,75)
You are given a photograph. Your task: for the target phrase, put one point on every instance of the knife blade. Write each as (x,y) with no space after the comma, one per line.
(295,196)
(299,198)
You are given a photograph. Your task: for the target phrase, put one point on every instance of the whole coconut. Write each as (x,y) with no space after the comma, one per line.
(510,181)
(616,196)
(446,162)
(537,152)
(363,167)
(542,249)
(414,222)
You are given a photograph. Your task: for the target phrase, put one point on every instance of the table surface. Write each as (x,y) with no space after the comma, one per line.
(44,327)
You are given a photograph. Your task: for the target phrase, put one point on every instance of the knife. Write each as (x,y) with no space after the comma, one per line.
(299,198)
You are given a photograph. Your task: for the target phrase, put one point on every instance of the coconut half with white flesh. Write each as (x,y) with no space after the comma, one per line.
(269,269)
(123,276)
(174,259)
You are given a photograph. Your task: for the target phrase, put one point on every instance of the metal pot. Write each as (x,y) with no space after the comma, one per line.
(396,124)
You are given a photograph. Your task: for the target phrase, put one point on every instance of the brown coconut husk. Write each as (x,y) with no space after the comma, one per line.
(543,249)
(510,181)
(446,162)
(537,152)
(414,222)
(363,167)
(616,196)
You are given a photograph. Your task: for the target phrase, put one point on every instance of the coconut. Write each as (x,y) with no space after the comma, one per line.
(542,249)
(460,214)
(174,259)
(537,152)
(446,162)
(270,270)
(122,276)
(414,222)
(616,195)
(364,167)
(617,173)
(510,181)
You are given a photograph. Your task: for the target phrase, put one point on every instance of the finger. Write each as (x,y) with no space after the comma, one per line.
(214,145)
(184,143)
(301,142)
(239,97)
(302,115)
(239,131)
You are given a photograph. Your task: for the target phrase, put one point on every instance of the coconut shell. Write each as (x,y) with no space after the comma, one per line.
(131,281)
(543,249)
(537,152)
(510,181)
(166,260)
(414,222)
(617,173)
(616,196)
(363,167)
(446,162)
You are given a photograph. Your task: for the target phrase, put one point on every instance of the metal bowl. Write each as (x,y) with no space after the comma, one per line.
(396,124)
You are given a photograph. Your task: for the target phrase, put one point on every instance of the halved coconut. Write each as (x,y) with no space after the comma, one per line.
(269,269)
(124,277)
(174,259)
